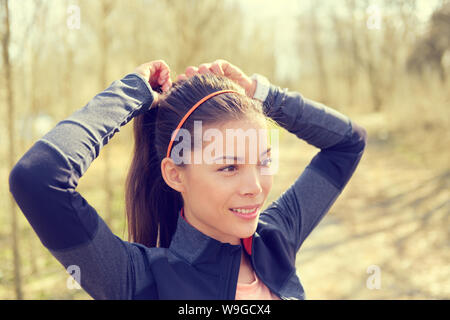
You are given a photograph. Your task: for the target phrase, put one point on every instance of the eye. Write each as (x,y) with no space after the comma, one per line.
(224,169)
(266,163)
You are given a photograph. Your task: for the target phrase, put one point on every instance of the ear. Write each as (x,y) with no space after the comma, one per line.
(173,175)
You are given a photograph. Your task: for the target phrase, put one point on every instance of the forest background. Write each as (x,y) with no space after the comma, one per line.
(385,64)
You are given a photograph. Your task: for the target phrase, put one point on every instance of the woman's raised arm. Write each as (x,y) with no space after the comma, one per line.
(340,140)
(44,181)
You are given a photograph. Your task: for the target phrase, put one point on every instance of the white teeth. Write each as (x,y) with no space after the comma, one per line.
(244,210)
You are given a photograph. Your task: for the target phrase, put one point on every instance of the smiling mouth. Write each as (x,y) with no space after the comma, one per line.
(247,212)
(250,207)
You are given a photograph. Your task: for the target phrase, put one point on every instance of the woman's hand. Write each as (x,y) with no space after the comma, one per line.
(157,73)
(223,68)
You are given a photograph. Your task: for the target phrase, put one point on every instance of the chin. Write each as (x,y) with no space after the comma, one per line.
(247,231)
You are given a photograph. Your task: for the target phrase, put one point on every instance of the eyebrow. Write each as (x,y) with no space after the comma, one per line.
(239,158)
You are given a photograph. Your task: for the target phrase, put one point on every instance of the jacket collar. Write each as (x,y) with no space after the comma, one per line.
(197,247)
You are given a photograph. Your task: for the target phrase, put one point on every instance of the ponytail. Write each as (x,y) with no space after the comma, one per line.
(151,205)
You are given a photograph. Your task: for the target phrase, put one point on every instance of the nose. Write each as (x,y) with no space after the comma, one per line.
(250,183)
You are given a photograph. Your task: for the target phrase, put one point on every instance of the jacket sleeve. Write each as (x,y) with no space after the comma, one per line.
(341,142)
(44,181)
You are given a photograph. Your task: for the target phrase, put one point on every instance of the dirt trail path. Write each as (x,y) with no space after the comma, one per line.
(393,217)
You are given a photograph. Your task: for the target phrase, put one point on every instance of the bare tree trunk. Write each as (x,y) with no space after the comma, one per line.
(67,82)
(372,73)
(31,240)
(11,159)
(193,34)
(345,53)
(38,23)
(319,54)
(106,8)
(354,52)
(142,47)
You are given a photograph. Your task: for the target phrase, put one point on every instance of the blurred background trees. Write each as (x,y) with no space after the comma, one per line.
(384,63)
(429,50)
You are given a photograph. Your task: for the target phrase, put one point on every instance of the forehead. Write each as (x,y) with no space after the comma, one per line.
(248,131)
(256,123)
(240,140)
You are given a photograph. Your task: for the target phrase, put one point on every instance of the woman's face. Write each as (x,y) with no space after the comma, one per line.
(211,189)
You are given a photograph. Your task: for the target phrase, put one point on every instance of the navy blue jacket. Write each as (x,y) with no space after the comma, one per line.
(195,266)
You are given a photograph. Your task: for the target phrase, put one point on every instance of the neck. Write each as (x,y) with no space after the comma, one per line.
(207,230)
(245,270)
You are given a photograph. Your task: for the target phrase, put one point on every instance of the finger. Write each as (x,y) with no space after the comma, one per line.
(228,69)
(169,83)
(182,77)
(166,86)
(161,65)
(152,69)
(163,76)
(161,80)
(216,69)
(164,73)
(191,70)
(153,74)
(164,65)
(156,66)
(204,68)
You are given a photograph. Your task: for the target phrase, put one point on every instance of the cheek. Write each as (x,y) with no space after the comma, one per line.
(221,193)
(267,182)
(208,191)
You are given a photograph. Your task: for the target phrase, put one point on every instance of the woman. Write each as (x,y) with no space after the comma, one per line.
(190,235)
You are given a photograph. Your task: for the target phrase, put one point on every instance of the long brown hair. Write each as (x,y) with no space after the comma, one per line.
(152,207)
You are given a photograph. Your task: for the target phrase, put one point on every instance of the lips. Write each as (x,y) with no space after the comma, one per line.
(248,207)
(247,215)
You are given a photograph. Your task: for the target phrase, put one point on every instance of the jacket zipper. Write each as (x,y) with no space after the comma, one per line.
(258,275)
(230,267)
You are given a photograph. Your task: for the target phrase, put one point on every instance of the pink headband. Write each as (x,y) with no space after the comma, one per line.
(189,113)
